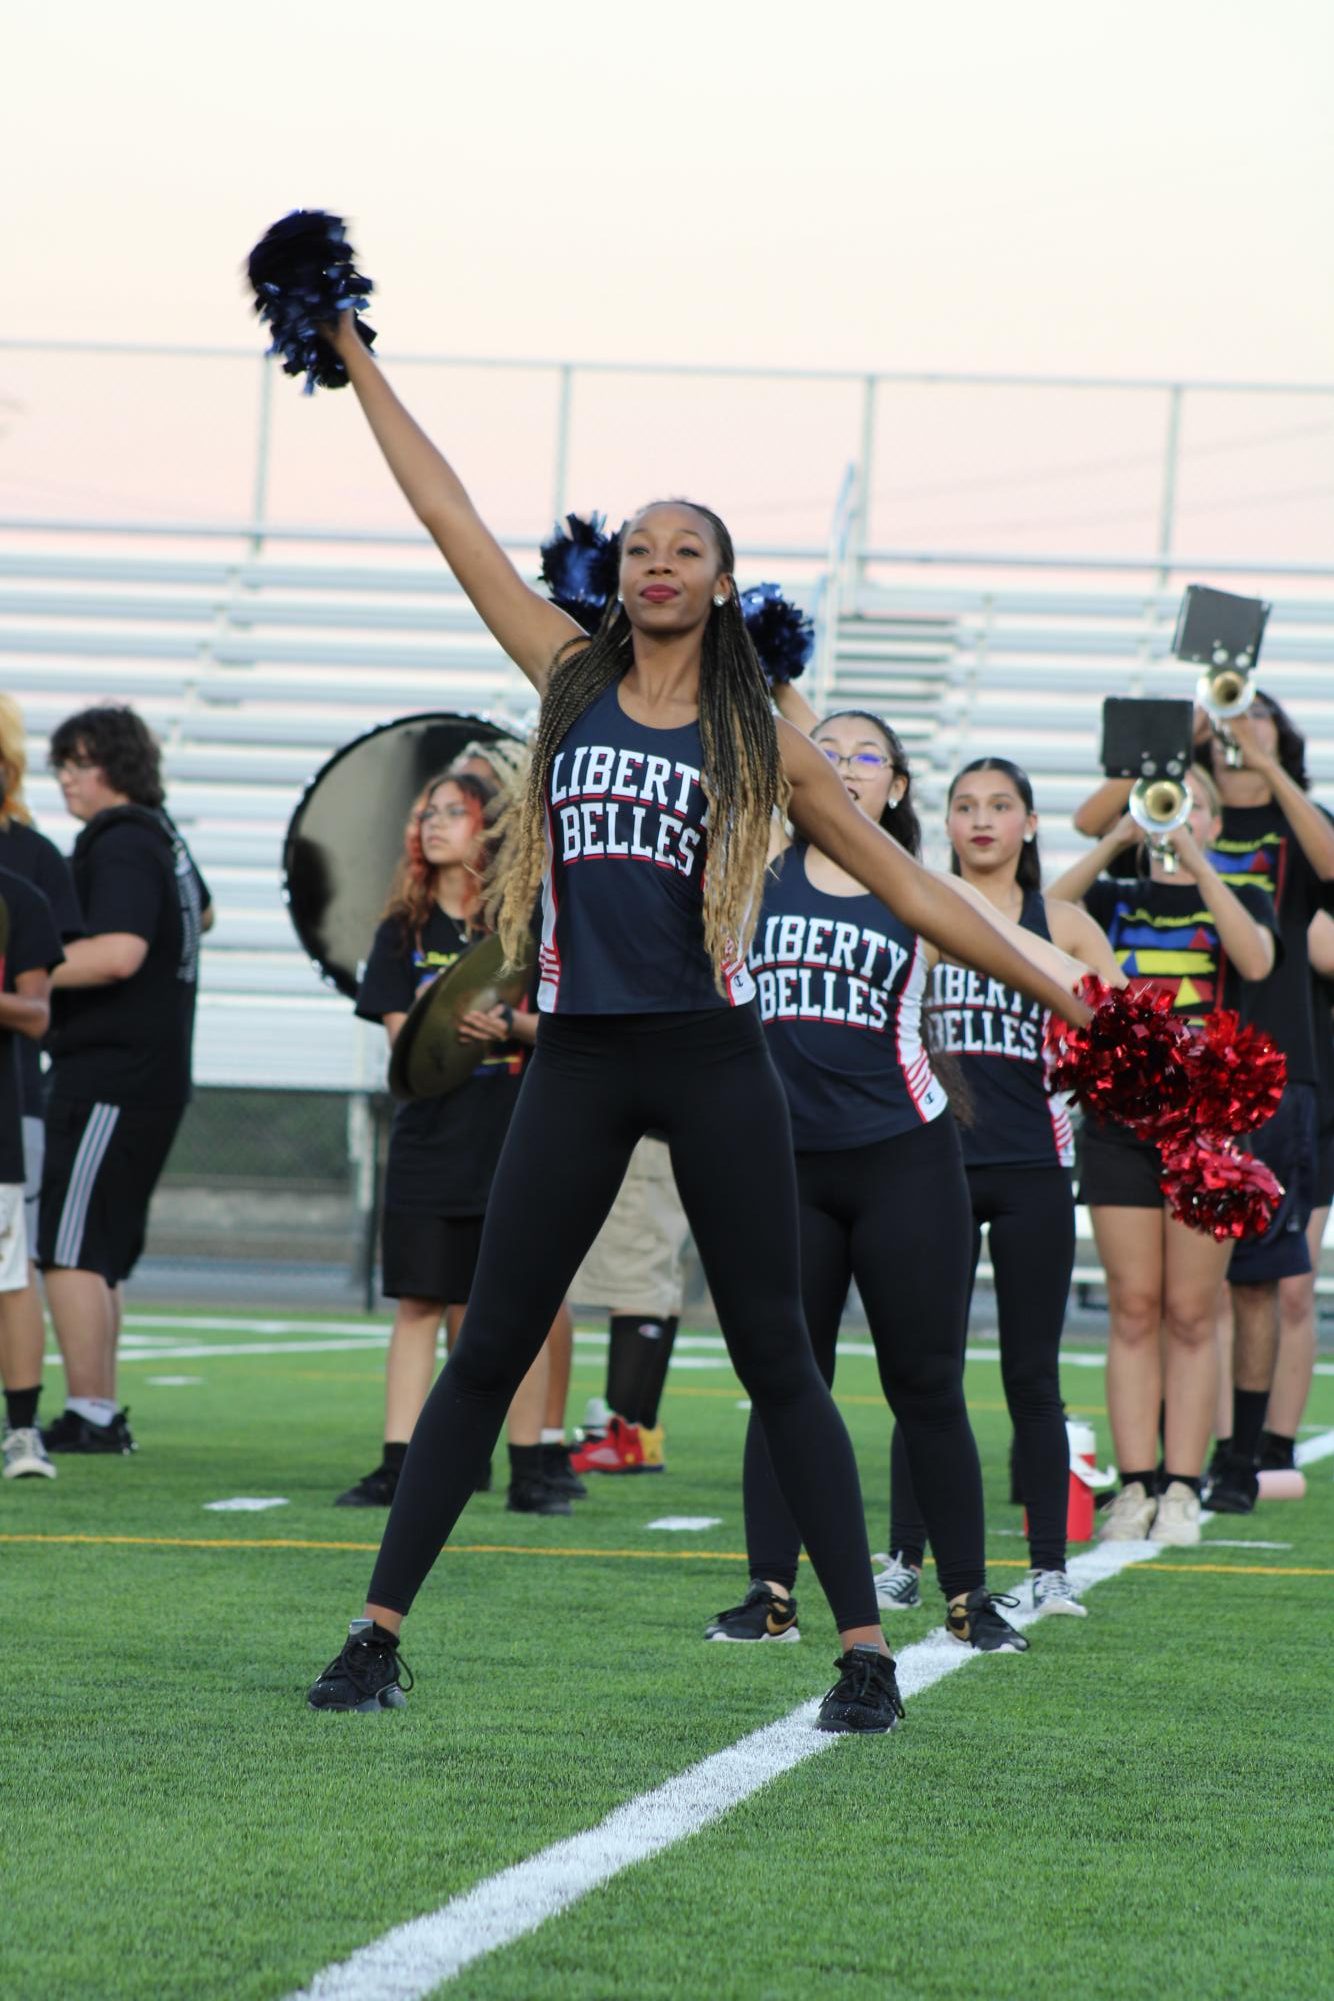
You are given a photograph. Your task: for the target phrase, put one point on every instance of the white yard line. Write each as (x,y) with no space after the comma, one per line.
(1312,1450)
(413,1959)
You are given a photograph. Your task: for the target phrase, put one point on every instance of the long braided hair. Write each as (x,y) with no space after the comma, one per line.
(742,776)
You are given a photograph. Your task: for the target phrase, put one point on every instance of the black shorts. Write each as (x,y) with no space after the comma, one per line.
(102,1165)
(1116,1170)
(1324,1169)
(1287,1143)
(429,1257)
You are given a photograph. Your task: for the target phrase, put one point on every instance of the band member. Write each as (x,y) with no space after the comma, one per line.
(656,752)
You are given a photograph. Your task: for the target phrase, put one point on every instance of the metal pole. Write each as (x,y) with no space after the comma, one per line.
(564,389)
(259,501)
(861,519)
(1168,502)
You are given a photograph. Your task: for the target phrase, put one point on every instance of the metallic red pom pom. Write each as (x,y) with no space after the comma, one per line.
(1210,1184)
(1130,1064)
(1237,1075)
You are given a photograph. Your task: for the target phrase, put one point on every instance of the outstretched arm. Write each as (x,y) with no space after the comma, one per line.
(531,630)
(932,905)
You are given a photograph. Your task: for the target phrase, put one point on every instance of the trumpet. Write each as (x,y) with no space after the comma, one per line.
(1223,692)
(1160,806)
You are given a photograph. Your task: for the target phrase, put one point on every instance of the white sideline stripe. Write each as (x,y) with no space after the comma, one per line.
(1312,1450)
(413,1959)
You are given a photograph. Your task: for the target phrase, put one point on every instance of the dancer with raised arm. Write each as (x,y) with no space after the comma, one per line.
(657,764)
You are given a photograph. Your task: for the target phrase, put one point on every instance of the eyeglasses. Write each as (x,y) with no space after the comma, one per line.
(864,761)
(443,813)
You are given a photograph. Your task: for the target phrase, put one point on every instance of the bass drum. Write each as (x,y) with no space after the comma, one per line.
(345,839)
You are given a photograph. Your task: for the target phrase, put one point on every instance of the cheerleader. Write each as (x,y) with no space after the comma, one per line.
(881,1187)
(1018,1149)
(656,751)
(1189,933)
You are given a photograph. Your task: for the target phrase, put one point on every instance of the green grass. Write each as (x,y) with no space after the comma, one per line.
(1135,1808)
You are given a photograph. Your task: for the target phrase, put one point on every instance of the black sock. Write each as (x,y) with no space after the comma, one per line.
(1278,1452)
(525,1462)
(395,1452)
(641,1350)
(1185,1479)
(1149,1480)
(1248,1419)
(21,1408)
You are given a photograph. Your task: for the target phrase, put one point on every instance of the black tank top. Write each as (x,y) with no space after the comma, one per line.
(998,1035)
(622,916)
(841,983)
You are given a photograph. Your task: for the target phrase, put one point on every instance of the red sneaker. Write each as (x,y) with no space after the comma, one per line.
(619,1449)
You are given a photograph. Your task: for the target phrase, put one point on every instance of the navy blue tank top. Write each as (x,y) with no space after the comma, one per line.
(623,890)
(999,1033)
(841,983)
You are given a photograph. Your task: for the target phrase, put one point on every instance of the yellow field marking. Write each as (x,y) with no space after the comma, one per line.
(632,1555)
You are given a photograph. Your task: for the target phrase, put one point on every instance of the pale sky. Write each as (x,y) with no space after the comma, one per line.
(1139,190)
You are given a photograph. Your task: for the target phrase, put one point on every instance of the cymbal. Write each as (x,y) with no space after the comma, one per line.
(428,1059)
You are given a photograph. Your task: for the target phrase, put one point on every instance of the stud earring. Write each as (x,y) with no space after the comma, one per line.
(720,600)
(1028,840)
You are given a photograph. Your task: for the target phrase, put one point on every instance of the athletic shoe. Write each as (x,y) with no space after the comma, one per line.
(376,1490)
(1128,1516)
(365,1676)
(24,1454)
(897,1586)
(1234,1487)
(559,1474)
(1177,1522)
(1053,1591)
(536,1497)
(651,1443)
(72,1433)
(865,1696)
(619,1450)
(977,1624)
(1277,1455)
(764,1615)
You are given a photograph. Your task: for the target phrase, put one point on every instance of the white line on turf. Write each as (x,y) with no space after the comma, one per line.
(1312,1450)
(413,1959)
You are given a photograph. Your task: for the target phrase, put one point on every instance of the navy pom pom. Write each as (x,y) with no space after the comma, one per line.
(304,277)
(580,567)
(781,634)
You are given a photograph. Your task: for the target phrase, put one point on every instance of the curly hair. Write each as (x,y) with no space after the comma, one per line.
(13,764)
(120,744)
(1028,873)
(742,774)
(412,892)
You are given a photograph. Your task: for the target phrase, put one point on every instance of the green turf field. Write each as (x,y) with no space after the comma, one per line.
(1139,1807)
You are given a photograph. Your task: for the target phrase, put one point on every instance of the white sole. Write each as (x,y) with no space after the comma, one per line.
(734,1640)
(1062,1607)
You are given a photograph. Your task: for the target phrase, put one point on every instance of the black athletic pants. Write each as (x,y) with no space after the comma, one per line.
(895,1217)
(596,1084)
(1030,1216)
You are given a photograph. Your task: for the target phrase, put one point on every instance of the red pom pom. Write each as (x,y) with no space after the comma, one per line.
(1237,1075)
(1130,1063)
(1210,1184)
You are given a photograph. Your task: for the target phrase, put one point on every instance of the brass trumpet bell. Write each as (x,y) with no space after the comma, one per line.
(1224,692)
(1160,806)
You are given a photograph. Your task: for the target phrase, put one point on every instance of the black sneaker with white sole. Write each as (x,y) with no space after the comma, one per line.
(763,1615)
(977,1623)
(72,1433)
(865,1696)
(366,1676)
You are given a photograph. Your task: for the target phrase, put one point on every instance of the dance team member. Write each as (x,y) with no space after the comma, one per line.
(1018,1150)
(1274,838)
(656,753)
(880,1183)
(30,949)
(1190,934)
(121,1044)
(443,1151)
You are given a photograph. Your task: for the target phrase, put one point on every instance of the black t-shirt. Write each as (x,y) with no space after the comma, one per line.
(27,853)
(442,1151)
(34,944)
(1322,1002)
(1164,937)
(1258,846)
(131,1042)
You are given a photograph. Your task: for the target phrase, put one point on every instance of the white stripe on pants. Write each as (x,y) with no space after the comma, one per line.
(83,1178)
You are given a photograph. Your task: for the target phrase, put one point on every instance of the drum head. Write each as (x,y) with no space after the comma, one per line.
(346,836)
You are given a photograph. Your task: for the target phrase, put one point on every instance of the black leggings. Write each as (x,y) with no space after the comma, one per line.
(894,1216)
(1030,1215)
(596,1084)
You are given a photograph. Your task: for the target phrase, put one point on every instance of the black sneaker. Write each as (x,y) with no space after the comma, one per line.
(365,1676)
(764,1615)
(72,1433)
(1233,1488)
(377,1490)
(1277,1455)
(865,1696)
(536,1497)
(977,1624)
(558,1472)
